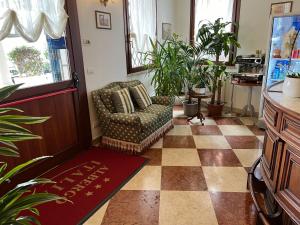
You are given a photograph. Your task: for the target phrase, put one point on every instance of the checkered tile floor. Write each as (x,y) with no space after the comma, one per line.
(196,176)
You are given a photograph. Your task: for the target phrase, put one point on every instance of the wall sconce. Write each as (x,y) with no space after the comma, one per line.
(104,2)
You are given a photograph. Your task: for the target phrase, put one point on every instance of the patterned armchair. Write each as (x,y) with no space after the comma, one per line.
(132,132)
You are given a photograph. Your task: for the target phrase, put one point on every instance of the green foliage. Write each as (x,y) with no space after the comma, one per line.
(166,63)
(214,40)
(176,65)
(293,75)
(27,59)
(20,199)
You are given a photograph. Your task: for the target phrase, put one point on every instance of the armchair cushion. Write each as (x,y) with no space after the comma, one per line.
(163,100)
(132,127)
(141,96)
(122,101)
(106,97)
(163,112)
(125,118)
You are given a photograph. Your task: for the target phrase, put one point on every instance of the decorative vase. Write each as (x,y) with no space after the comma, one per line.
(291,87)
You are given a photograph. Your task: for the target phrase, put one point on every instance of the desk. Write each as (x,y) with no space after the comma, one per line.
(199,114)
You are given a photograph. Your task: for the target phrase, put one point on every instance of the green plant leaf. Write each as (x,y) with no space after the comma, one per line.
(3,167)
(16,137)
(7,91)
(4,151)
(19,119)
(6,110)
(28,220)
(20,168)
(8,127)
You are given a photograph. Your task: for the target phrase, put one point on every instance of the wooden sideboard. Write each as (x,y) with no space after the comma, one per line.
(276,190)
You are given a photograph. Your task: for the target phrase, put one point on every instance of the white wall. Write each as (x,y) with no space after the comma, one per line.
(104,57)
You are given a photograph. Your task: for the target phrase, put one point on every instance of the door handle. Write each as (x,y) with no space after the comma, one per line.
(75,79)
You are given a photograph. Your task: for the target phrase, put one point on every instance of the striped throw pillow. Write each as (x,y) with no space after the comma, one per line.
(122,101)
(141,96)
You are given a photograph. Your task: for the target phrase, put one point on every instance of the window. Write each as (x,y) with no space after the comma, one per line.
(37,63)
(33,48)
(140,26)
(210,10)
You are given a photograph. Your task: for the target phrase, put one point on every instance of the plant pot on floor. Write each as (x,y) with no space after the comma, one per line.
(215,110)
(291,87)
(190,109)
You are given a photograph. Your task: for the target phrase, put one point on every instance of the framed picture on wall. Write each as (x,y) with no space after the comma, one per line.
(166,31)
(103,20)
(281,8)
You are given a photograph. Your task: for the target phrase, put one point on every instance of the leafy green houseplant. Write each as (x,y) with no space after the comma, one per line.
(177,66)
(215,40)
(166,65)
(18,205)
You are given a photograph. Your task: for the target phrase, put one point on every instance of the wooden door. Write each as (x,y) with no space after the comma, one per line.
(68,130)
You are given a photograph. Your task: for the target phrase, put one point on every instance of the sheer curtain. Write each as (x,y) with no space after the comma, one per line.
(30,17)
(142,22)
(210,10)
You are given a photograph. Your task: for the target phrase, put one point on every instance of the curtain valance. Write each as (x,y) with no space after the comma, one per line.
(30,17)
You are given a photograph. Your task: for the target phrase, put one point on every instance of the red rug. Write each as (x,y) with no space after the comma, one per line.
(88,180)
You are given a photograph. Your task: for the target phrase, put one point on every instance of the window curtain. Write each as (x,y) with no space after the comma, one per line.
(142,17)
(210,10)
(30,17)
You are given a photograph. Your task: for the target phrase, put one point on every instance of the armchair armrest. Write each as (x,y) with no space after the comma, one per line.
(126,119)
(163,100)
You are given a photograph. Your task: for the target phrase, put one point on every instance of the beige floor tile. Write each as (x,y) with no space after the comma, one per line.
(261,138)
(226,179)
(98,216)
(211,142)
(207,121)
(149,178)
(180,157)
(180,130)
(248,120)
(158,144)
(182,208)
(235,130)
(247,156)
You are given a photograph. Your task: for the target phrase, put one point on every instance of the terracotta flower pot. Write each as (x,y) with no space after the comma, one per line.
(215,110)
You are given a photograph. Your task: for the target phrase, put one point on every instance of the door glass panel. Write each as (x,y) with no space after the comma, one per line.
(37,63)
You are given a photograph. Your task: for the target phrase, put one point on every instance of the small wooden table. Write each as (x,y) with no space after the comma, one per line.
(199,114)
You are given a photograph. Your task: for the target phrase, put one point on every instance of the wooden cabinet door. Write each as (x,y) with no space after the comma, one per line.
(272,153)
(289,188)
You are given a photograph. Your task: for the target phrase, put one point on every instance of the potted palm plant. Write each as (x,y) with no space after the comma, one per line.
(194,75)
(291,85)
(215,40)
(166,65)
(18,205)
